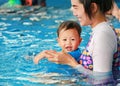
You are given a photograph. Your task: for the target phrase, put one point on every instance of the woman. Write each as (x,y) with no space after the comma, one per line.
(96,60)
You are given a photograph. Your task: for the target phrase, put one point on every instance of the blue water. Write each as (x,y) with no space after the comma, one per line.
(26,32)
(118,3)
(3,2)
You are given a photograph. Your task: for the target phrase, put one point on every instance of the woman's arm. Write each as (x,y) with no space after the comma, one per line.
(61,58)
(91,76)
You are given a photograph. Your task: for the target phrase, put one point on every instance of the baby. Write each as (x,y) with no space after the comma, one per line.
(69,40)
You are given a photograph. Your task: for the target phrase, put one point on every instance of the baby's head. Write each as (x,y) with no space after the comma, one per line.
(69,35)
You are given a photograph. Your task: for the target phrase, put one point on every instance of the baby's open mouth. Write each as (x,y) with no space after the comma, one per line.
(69,48)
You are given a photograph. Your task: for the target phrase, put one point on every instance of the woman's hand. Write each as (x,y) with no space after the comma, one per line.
(61,58)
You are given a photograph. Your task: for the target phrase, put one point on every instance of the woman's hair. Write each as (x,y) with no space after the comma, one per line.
(66,25)
(104,5)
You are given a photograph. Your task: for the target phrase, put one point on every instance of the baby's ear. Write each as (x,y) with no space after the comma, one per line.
(80,39)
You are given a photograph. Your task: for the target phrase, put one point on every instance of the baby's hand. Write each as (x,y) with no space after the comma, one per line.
(36,59)
(39,57)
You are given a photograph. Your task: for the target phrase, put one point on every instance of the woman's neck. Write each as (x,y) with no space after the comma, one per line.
(98,19)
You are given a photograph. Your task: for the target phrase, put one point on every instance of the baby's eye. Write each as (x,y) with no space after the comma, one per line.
(72,39)
(64,39)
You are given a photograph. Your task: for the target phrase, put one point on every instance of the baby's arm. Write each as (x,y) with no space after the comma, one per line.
(39,57)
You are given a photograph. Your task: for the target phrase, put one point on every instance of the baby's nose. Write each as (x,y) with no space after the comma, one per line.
(68,42)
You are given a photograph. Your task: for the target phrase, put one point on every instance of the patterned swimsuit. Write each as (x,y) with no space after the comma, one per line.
(116,62)
(87,62)
(86,59)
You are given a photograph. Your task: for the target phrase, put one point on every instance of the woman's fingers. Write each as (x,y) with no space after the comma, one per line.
(52,55)
(57,57)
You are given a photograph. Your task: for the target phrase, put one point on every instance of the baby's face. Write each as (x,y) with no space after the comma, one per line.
(69,40)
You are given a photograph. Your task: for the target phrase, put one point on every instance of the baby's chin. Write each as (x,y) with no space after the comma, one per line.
(68,51)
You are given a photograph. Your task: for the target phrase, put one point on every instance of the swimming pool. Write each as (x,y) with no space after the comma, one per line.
(24,33)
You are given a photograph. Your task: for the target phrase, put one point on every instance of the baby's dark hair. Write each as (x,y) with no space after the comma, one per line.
(66,25)
(104,5)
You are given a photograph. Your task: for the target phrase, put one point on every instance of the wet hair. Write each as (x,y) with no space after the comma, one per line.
(104,5)
(66,25)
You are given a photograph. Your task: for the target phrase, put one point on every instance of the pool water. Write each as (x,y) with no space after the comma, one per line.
(24,33)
